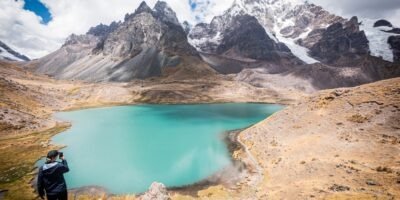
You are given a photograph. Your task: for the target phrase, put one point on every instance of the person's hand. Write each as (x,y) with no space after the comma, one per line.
(41,196)
(61,155)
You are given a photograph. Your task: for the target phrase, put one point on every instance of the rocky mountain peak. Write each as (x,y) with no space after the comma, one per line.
(353,25)
(161,11)
(165,12)
(141,46)
(143,7)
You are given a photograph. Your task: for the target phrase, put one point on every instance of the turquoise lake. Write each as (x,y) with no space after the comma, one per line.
(126,148)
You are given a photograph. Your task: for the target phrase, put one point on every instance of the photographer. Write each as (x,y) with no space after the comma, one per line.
(51,177)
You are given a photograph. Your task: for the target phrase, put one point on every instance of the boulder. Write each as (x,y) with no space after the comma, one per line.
(383,22)
(157,191)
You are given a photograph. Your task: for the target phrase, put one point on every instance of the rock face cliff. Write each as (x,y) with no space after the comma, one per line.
(341,40)
(394,42)
(148,43)
(247,38)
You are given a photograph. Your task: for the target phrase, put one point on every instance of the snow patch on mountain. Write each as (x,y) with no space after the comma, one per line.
(297,50)
(197,42)
(378,40)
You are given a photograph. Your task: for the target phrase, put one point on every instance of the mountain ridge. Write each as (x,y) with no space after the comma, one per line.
(257,41)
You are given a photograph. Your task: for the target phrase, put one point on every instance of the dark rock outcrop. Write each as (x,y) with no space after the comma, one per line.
(248,38)
(186,27)
(382,22)
(341,40)
(102,30)
(393,30)
(394,42)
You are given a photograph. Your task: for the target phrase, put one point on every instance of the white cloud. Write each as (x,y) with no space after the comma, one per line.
(23,31)
(371,9)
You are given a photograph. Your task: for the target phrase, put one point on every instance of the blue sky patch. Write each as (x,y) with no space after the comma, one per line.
(39,9)
(193,4)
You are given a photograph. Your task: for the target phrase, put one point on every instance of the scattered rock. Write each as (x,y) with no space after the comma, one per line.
(384,169)
(157,191)
(357,118)
(339,188)
(371,182)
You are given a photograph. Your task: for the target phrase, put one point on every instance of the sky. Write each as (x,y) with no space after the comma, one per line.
(39,27)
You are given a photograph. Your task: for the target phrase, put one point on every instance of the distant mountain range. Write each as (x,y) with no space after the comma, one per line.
(253,39)
(6,53)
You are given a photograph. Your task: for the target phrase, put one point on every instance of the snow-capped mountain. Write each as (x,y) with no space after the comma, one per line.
(296,23)
(149,42)
(332,51)
(6,53)
(283,20)
(238,35)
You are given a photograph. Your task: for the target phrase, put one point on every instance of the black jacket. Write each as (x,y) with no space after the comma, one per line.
(51,178)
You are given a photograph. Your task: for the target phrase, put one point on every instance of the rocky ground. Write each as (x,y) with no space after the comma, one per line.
(338,144)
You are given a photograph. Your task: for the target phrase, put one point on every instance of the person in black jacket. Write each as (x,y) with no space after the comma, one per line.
(51,177)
